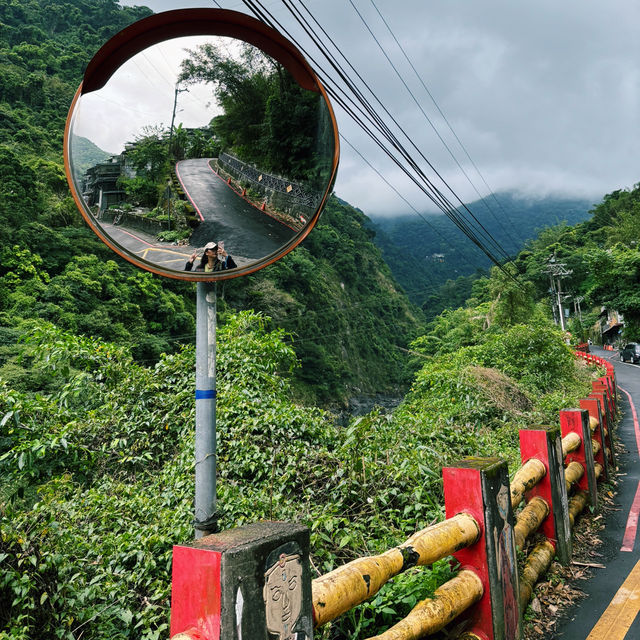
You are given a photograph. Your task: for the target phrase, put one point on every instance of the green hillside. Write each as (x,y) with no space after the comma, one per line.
(97,376)
(86,154)
(424,256)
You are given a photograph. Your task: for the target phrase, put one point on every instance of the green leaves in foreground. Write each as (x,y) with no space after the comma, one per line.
(98,474)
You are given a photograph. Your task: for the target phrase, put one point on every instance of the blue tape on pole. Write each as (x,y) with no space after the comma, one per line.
(205,394)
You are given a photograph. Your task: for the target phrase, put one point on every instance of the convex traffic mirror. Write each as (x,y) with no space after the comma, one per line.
(200,145)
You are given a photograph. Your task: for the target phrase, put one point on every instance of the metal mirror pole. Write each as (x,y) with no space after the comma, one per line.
(205,521)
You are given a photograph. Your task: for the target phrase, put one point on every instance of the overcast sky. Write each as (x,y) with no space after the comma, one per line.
(544,95)
(141,94)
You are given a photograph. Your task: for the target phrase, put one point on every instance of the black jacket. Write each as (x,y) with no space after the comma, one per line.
(218,265)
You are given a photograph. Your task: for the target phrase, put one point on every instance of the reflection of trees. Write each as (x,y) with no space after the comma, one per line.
(147,162)
(268,120)
(150,157)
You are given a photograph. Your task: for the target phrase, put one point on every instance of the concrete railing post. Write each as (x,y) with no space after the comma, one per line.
(480,487)
(244,583)
(603,386)
(545,444)
(577,421)
(610,401)
(592,405)
(607,430)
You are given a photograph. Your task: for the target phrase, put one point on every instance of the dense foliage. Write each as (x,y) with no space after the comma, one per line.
(336,297)
(96,393)
(98,471)
(602,256)
(268,120)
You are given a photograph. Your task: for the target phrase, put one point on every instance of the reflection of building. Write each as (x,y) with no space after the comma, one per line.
(100,184)
(610,324)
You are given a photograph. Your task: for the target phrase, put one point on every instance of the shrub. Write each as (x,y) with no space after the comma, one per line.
(535,355)
(174,236)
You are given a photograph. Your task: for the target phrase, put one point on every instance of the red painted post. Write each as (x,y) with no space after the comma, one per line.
(195,593)
(480,487)
(608,423)
(601,386)
(611,379)
(604,410)
(577,421)
(592,405)
(249,582)
(607,383)
(545,444)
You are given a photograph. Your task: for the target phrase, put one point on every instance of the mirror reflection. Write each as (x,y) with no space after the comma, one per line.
(201,142)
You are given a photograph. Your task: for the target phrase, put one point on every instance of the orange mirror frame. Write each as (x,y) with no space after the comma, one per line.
(165,26)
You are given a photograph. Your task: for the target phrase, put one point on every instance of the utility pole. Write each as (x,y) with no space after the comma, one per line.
(173,118)
(206,518)
(576,305)
(173,115)
(557,272)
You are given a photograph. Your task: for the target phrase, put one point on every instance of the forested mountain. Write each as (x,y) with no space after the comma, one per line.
(435,263)
(54,269)
(602,254)
(86,154)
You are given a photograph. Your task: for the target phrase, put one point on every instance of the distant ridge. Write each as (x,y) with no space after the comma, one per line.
(422,260)
(87,154)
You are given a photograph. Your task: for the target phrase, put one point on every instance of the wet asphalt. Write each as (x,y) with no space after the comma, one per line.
(248,233)
(604,584)
(145,246)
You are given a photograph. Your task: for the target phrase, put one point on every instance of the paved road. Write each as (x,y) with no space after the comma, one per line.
(610,611)
(247,232)
(145,246)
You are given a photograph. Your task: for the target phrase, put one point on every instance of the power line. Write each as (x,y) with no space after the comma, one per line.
(390,136)
(364,112)
(420,215)
(515,245)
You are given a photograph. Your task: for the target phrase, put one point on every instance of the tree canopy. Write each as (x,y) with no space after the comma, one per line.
(268,120)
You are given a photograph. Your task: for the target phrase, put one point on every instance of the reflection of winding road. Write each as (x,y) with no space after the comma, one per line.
(167,256)
(248,233)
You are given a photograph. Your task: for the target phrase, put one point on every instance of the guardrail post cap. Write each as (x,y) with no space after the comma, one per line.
(247,582)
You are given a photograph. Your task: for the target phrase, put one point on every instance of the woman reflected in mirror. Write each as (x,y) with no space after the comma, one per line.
(214,258)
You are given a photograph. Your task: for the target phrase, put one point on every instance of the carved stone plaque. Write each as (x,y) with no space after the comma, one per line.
(283,596)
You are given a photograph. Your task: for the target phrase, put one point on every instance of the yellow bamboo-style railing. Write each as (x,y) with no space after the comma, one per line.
(525,478)
(431,615)
(529,519)
(572,474)
(577,503)
(570,443)
(345,587)
(536,565)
